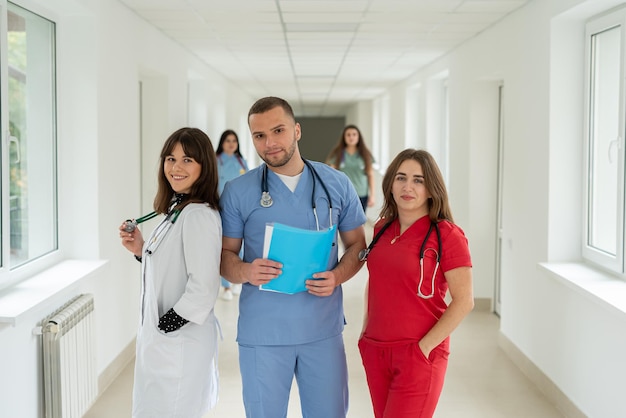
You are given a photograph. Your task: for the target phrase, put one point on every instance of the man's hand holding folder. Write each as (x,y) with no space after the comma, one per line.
(304,255)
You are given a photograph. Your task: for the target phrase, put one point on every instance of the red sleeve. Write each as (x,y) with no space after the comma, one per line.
(454,247)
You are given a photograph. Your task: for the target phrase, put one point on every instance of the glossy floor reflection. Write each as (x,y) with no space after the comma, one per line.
(481,380)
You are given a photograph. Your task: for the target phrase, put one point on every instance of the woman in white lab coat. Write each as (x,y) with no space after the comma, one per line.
(176,364)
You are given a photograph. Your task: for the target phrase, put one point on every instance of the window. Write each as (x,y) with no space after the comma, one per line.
(29,192)
(603,242)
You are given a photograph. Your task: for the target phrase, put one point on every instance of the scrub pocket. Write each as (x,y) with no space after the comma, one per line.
(163,353)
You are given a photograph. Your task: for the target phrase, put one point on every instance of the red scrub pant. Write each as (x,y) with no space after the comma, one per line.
(403,383)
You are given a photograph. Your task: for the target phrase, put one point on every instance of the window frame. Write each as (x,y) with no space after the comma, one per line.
(609,262)
(13,274)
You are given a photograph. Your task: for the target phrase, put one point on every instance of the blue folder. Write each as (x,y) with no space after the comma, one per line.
(302,253)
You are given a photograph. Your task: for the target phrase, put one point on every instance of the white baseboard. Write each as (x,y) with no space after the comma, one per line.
(543,382)
(114,369)
(483,304)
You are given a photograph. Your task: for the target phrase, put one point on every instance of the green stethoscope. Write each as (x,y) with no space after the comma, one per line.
(162,229)
(172,215)
(131,224)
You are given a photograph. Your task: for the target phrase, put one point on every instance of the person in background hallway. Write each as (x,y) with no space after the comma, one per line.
(282,335)
(405,340)
(176,364)
(352,156)
(230,164)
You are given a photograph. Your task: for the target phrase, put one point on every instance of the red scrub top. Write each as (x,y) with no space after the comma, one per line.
(396,314)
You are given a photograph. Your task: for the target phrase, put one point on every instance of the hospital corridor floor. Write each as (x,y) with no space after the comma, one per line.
(481,382)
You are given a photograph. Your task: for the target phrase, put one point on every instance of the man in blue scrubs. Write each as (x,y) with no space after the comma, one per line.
(281,335)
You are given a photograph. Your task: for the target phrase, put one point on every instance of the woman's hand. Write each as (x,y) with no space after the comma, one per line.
(132,241)
(425,351)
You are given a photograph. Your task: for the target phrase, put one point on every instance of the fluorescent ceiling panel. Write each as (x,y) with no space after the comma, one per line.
(321,27)
(358,47)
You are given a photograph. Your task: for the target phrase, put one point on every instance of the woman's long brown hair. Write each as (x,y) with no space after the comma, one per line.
(197,145)
(336,154)
(438,204)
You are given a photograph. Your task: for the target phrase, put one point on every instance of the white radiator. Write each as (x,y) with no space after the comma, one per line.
(69,361)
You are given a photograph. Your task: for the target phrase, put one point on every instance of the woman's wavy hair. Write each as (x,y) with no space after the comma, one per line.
(336,154)
(197,145)
(438,204)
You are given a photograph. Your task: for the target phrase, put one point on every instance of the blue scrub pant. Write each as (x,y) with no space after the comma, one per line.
(321,374)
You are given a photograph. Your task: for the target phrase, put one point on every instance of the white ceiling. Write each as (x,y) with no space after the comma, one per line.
(321,55)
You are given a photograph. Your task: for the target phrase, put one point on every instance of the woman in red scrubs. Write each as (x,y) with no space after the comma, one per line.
(405,341)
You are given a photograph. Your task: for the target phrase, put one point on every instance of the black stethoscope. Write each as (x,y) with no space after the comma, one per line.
(266,199)
(423,250)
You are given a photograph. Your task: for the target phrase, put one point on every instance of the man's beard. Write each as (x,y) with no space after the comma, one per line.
(279,163)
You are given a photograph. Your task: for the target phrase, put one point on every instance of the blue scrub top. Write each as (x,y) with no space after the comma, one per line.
(229,167)
(269,318)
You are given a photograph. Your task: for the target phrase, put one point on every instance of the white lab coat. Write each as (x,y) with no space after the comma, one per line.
(176,373)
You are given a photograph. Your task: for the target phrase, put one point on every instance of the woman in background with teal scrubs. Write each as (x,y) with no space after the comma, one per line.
(352,156)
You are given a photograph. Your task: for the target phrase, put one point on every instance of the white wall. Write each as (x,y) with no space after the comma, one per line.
(574,340)
(104,51)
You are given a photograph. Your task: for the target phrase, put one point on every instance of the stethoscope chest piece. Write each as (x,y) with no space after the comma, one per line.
(266,199)
(363,254)
(130,225)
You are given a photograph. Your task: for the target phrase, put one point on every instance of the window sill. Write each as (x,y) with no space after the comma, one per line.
(16,301)
(595,284)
